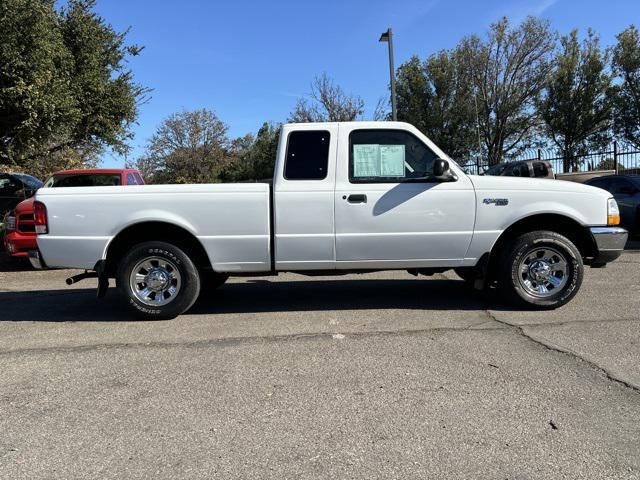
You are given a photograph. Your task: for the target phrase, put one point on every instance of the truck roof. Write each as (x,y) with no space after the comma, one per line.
(364,124)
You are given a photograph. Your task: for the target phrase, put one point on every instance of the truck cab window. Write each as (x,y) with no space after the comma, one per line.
(540,169)
(388,156)
(307,155)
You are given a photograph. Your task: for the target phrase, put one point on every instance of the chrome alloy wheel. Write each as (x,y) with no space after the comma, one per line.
(155,281)
(543,272)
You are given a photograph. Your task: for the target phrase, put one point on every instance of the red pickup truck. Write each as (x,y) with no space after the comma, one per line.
(20,235)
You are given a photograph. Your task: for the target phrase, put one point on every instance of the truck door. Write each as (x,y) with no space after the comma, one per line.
(304,191)
(386,214)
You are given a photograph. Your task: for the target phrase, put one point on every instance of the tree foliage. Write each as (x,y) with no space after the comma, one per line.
(64,84)
(626,64)
(576,106)
(435,97)
(194,147)
(188,147)
(507,72)
(254,157)
(327,103)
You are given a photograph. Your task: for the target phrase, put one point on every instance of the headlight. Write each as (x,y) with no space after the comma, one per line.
(613,212)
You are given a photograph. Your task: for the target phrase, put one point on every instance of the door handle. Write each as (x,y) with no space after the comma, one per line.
(357,198)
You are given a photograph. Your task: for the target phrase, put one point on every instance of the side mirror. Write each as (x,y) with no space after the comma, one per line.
(442,172)
(440,166)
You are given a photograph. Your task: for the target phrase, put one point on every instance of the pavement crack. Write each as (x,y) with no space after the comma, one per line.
(573,322)
(559,349)
(225,341)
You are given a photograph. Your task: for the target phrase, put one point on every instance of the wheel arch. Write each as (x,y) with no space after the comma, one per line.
(559,223)
(154,231)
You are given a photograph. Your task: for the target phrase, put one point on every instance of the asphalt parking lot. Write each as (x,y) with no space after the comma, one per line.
(364,376)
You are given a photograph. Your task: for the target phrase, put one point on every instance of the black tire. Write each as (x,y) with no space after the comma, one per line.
(187,289)
(525,283)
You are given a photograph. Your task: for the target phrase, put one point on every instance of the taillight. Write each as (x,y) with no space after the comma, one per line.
(40,218)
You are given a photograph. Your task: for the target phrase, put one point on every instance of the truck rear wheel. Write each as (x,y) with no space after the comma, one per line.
(158,280)
(542,270)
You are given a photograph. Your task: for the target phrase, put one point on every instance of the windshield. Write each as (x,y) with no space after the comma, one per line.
(84,180)
(29,181)
(496,170)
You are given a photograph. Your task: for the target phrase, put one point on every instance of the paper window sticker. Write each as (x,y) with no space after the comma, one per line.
(366,160)
(392,160)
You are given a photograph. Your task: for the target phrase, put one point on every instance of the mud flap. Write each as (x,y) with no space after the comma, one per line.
(103,279)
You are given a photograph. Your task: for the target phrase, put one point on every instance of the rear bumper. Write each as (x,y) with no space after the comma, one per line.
(609,243)
(18,245)
(36,260)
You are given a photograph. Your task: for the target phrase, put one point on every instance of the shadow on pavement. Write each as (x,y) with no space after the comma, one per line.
(253,296)
(633,244)
(8,264)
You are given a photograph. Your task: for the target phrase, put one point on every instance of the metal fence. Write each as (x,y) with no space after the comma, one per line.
(618,157)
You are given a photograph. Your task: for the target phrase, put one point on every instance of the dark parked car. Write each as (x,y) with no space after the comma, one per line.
(14,188)
(523,168)
(626,190)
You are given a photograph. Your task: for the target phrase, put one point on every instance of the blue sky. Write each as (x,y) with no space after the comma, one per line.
(249,60)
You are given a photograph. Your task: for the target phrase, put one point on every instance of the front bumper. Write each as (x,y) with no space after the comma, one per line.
(36,260)
(609,243)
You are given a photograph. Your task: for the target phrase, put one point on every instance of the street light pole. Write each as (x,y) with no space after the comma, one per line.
(388,37)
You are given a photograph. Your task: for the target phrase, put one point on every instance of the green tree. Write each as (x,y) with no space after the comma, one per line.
(188,147)
(63,81)
(626,65)
(327,103)
(87,156)
(436,98)
(576,105)
(606,164)
(507,71)
(255,156)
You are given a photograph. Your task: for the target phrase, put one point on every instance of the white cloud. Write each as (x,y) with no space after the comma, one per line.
(519,10)
(543,5)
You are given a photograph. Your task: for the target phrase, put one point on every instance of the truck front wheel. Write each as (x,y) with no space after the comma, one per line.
(541,269)
(158,280)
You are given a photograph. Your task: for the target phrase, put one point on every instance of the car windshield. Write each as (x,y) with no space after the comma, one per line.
(28,180)
(497,170)
(84,180)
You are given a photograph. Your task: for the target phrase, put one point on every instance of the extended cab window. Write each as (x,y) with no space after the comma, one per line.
(388,156)
(307,155)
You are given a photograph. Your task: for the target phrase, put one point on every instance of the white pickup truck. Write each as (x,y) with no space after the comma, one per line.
(346,197)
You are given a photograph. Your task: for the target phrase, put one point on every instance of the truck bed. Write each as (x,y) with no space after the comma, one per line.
(231,220)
